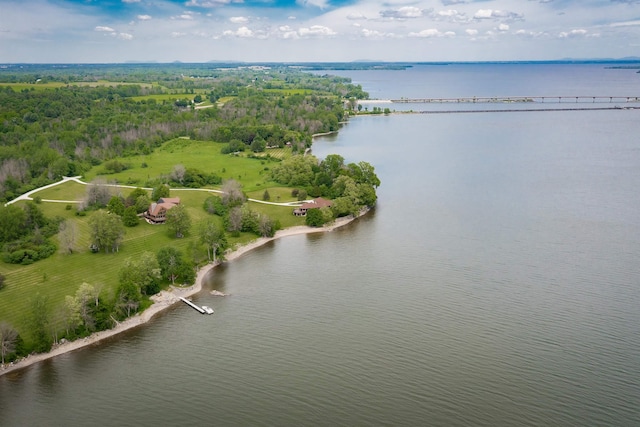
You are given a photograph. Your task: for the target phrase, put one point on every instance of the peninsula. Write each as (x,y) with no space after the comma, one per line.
(122,184)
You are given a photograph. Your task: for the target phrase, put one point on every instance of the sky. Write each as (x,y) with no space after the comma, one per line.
(108,31)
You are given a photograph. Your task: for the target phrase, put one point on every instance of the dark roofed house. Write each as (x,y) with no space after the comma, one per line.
(156,214)
(316,203)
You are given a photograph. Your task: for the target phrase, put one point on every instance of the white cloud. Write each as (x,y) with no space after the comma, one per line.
(483,14)
(432,33)
(244,32)
(451,15)
(404,12)
(356,17)
(286,32)
(39,30)
(210,3)
(497,15)
(572,33)
(375,34)
(626,23)
(322,4)
(531,34)
(316,31)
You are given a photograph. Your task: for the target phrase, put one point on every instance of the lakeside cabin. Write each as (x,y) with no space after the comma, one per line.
(316,203)
(156,214)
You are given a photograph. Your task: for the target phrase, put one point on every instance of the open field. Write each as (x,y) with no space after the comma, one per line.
(69,190)
(202,155)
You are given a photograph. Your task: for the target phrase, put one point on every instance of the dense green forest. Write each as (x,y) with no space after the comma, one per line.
(61,120)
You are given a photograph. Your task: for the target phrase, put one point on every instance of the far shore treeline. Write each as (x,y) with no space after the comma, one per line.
(83,255)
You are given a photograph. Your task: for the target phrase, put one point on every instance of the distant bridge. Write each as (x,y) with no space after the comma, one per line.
(522,99)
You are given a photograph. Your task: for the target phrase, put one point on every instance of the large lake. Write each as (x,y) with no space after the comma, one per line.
(497,283)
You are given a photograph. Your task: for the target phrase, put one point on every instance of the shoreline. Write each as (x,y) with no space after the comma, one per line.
(167,298)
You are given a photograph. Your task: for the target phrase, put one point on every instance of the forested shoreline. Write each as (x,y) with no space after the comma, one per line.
(252,124)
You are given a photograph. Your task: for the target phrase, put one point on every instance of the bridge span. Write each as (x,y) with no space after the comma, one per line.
(522,99)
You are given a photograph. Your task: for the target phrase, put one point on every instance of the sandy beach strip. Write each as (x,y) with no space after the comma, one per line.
(164,299)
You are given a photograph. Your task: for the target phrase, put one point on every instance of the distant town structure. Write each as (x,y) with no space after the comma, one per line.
(157,212)
(316,203)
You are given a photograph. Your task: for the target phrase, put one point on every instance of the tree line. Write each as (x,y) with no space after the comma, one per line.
(351,187)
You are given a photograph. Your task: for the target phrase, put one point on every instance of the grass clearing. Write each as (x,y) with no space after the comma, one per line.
(203,155)
(69,190)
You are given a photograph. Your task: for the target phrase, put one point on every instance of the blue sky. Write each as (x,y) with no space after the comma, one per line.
(90,31)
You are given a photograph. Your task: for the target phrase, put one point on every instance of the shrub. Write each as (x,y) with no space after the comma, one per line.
(115,166)
(314,218)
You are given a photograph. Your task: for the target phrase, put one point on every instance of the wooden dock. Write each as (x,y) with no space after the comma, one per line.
(192,305)
(522,99)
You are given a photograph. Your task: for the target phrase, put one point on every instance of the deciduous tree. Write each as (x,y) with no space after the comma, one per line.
(160,191)
(8,339)
(86,302)
(266,226)
(212,235)
(214,206)
(106,230)
(232,193)
(144,271)
(38,322)
(116,205)
(68,235)
(128,299)
(235,220)
(130,217)
(169,260)
(314,218)
(178,220)
(12,225)
(98,194)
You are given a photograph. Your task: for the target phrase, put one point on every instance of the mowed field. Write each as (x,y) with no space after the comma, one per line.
(62,274)
(253,173)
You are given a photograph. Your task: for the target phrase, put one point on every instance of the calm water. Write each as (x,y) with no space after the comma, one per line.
(497,283)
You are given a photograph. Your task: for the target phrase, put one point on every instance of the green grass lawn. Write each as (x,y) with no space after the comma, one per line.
(203,155)
(70,190)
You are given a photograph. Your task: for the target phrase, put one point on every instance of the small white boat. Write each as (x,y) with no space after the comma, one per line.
(207,309)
